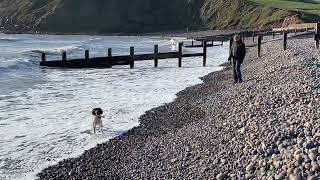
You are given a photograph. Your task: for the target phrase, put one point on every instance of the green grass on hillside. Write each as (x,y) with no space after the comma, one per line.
(309,6)
(240,15)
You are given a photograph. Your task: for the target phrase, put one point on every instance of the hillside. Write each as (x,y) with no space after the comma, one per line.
(97,16)
(308,6)
(140,16)
(243,14)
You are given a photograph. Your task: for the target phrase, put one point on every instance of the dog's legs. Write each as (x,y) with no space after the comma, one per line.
(101,126)
(94,125)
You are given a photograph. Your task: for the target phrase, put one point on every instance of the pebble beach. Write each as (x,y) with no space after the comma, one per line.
(267,127)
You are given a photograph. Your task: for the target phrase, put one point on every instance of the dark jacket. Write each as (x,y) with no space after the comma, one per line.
(238,51)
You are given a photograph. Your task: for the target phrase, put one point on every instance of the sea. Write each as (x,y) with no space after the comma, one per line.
(45,113)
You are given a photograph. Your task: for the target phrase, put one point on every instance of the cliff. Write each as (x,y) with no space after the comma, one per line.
(140,16)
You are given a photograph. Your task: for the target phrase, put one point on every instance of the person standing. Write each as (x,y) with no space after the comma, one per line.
(236,57)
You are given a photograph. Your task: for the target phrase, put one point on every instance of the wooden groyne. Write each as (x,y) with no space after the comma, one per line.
(205,42)
(110,61)
(199,44)
(304,29)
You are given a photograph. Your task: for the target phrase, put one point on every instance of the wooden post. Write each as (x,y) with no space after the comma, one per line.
(109,52)
(131,57)
(180,55)
(156,50)
(317,38)
(86,54)
(285,38)
(273,34)
(317,35)
(259,45)
(204,53)
(252,37)
(43,57)
(64,55)
(192,43)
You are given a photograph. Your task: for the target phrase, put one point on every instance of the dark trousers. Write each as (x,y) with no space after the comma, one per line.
(236,71)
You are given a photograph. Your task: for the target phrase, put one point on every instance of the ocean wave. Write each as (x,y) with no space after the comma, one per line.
(54,51)
(17,65)
(95,39)
(10,40)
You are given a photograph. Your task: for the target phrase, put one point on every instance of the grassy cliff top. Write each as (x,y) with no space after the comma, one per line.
(308,6)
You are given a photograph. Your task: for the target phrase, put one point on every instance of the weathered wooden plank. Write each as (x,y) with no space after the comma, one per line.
(156,50)
(144,57)
(64,55)
(77,63)
(259,44)
(131,57)
(201,45)
(86,54)
(109,52)
(192,55)
(180,54)
(43,57)
(285,38)
(204,53)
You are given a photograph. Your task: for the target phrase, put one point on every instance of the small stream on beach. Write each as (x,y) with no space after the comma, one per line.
(45,113)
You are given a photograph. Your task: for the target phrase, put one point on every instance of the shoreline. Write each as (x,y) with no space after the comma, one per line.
(210,130)
(136,130)
(161,34)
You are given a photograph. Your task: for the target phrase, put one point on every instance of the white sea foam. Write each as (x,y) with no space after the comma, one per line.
(45,114)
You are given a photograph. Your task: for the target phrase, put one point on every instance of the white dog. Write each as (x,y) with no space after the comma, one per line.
(97,120)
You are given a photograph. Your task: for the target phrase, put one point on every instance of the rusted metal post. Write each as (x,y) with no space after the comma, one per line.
(204,53)
(64,55)
(259,44)
(43,57)
(156,50)
(285,39)
(86,54)
(109,52)
(180,55)
(131,57)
